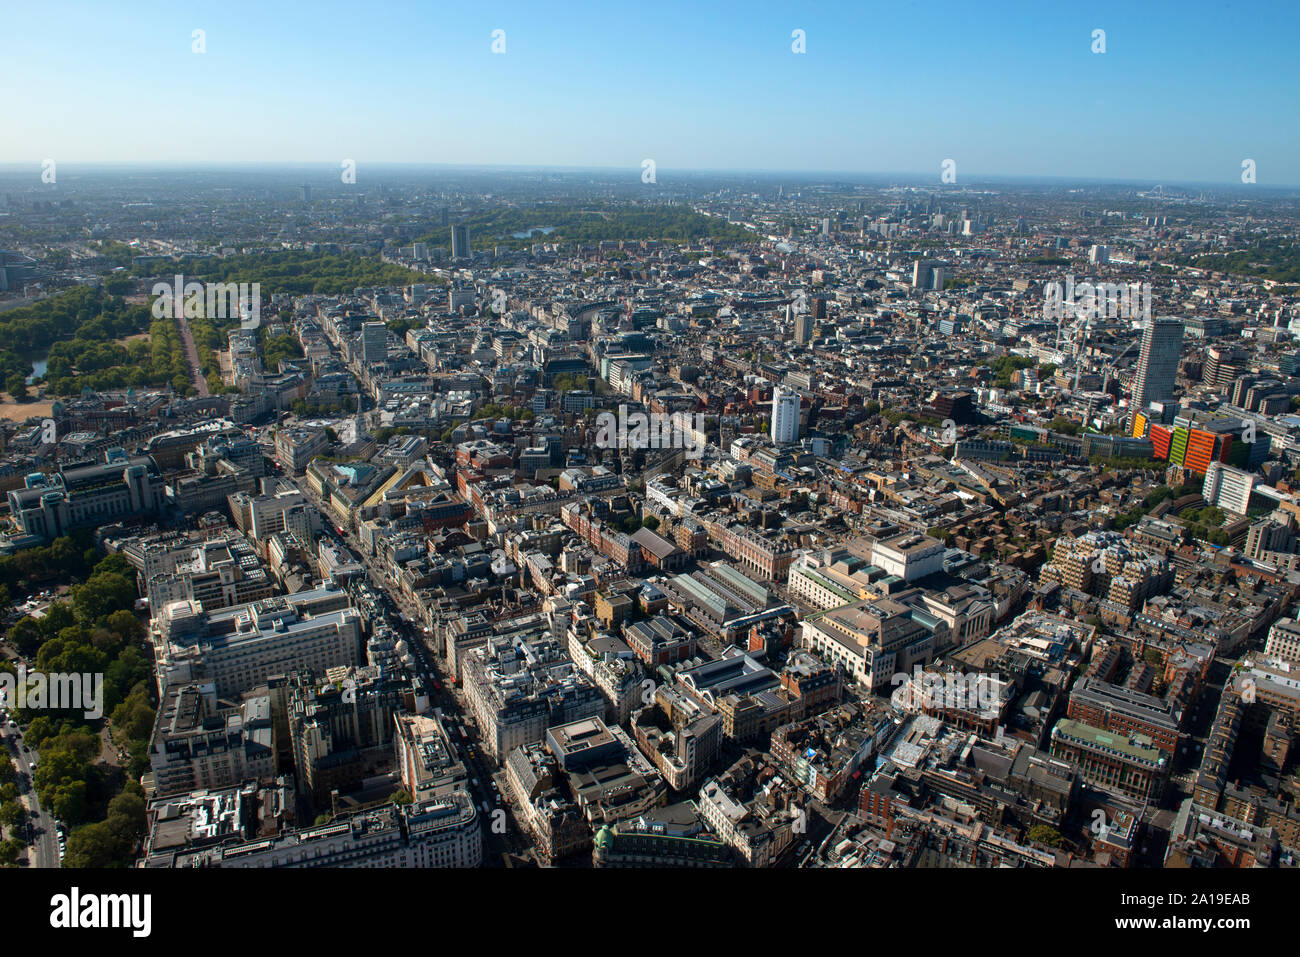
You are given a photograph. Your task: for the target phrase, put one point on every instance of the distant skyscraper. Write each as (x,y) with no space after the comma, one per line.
(927,274)
(1099,255)
(1162,346)
(374,343)
(803,324)
(460,242)
(920,273)
(785,416)
(306,193)
(444,216)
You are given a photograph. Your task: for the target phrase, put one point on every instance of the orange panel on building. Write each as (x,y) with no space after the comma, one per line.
(1160,437)
(1200,450)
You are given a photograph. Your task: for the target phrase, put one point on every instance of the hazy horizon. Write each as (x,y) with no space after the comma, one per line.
(900,178)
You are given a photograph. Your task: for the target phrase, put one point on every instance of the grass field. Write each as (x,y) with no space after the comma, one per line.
(21,411)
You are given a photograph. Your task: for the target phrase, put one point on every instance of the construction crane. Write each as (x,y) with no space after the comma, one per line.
(1107,368)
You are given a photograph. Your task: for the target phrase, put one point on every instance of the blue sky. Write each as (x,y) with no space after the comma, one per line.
(1184,92)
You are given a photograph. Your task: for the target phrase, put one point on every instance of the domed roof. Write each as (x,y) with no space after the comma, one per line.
(604,837)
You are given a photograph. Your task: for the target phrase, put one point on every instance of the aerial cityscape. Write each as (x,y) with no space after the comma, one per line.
(520,512)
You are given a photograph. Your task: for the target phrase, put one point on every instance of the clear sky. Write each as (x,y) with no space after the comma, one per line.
(1184,92)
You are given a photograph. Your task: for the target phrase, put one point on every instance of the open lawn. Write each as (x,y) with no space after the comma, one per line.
(21,411)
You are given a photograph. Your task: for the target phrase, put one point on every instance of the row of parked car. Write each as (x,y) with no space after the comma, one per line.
(5,723)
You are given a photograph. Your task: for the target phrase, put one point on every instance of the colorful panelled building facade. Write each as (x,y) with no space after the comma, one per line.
(1195,448)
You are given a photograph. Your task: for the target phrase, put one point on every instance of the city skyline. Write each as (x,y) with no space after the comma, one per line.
(581,439)
(328,172)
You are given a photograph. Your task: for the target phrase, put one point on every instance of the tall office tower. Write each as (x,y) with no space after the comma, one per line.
(374,343)
(460,242)
(803,324)
(920,273)
(1162,346)
(1099,255)
(306,193)
(785,416)
(826,227)
(444,216)
(927,274)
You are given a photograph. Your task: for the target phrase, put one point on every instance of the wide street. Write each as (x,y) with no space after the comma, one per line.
(487,781)
(43,840)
